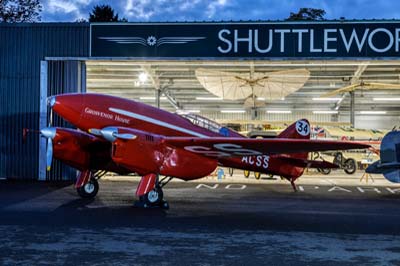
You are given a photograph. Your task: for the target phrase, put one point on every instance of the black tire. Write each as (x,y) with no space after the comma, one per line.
(154,197)
(89,190)
(246,173)
(257,175)
(350,166)
(230,170)
(325,171)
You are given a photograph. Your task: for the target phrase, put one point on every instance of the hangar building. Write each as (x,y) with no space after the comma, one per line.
(360,59)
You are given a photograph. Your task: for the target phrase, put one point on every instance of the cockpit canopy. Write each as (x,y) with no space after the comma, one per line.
(207,124)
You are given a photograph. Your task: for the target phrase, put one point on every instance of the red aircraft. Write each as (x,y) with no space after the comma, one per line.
(125,136)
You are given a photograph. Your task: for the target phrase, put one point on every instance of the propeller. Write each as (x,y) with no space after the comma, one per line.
(49,133)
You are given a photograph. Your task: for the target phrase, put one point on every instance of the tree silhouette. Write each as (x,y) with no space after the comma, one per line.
(12,11)
(104,13)
(306,13)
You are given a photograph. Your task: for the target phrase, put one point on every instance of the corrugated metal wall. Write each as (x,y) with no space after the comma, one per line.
(63,77)
(22,47)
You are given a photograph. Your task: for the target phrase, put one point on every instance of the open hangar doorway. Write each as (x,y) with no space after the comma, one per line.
(363,114)
(178,89)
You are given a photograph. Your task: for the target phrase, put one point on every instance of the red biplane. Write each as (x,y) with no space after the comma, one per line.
(125,136)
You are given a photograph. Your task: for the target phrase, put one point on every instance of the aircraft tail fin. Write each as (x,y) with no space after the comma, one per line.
(298,130)
(389,163)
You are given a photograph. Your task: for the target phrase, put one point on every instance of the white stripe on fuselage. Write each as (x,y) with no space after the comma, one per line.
(156,122)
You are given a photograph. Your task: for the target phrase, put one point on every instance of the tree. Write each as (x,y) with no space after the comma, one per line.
(104,13)
(12,11)
(306,13)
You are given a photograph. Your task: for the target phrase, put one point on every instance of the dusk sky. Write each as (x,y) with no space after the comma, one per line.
(207,10)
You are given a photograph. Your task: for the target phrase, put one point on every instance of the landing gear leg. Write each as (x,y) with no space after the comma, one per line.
(293,185)
(87,185)
(154,198)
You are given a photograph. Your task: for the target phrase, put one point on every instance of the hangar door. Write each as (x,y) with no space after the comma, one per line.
(57,77)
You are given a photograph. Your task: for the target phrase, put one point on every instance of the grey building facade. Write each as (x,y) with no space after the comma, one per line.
(23,49)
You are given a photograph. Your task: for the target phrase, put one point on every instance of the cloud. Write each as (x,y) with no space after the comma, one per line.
(69,10)
(140,9)
(214,6)
(200,10)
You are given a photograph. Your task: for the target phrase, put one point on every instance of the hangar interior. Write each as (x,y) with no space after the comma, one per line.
(375,106)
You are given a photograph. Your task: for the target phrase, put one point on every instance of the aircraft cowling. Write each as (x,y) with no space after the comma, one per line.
(148,154)
(67,145)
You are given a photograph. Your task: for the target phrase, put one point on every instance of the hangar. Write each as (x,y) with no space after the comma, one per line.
(161,64)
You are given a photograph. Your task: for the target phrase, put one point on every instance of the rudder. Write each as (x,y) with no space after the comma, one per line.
(298,130)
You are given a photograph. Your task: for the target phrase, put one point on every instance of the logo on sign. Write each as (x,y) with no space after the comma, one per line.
(152,40)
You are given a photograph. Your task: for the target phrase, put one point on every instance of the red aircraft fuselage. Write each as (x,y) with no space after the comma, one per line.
(91,112)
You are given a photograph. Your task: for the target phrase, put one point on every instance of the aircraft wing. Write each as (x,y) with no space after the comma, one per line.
(215,147)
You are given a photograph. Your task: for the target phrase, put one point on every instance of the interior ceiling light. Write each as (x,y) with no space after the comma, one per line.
(387,99)
(233,111)
(325,112)
(143,77)
(180,111)
(279,111)
(373,112)
(326,99)
(209,98)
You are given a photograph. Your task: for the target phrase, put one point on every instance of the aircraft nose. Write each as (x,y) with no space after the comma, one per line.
(51,101)
(68,106)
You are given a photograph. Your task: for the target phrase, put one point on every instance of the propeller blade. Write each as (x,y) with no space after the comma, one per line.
(49,153)
(25,132)
(51,117)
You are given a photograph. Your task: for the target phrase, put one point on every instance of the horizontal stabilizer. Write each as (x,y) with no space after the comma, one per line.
(226,147)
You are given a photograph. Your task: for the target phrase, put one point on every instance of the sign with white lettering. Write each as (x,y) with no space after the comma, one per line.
(373,39)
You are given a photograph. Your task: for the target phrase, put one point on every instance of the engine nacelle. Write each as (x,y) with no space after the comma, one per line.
(147,153)
(71,147)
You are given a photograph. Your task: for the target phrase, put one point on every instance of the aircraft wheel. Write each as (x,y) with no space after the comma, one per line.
(154,197)
(325,171)
(257,175)
(246,173)
(350,166)
(230,170)
(89,190)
